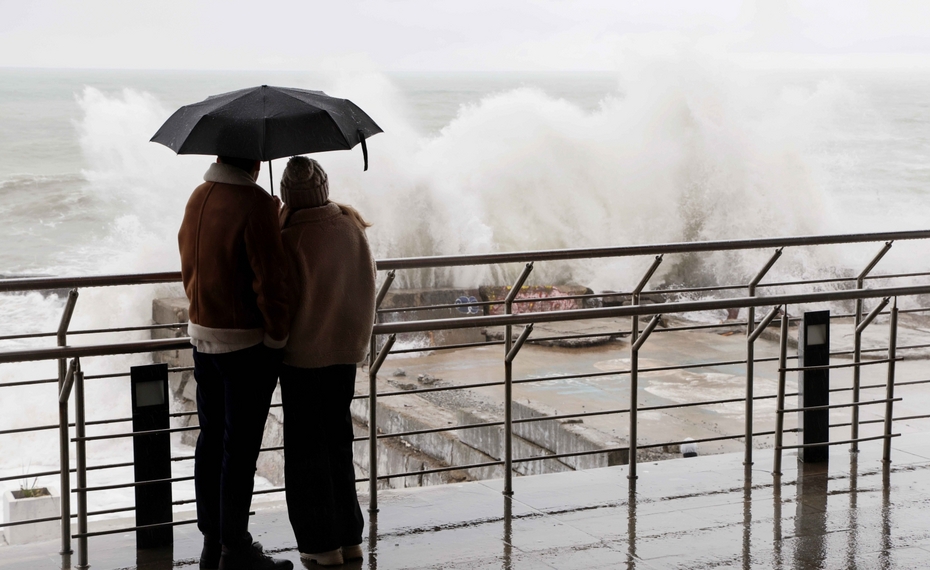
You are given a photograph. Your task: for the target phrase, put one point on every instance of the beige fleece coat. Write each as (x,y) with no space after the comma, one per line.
(332,281)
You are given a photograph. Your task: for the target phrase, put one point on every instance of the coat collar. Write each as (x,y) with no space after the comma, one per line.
(227,174)
(313,215)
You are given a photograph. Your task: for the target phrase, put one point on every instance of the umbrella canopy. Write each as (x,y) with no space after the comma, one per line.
(264,123)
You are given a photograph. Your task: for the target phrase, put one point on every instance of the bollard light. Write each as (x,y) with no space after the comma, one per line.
(814,386)
(151,454)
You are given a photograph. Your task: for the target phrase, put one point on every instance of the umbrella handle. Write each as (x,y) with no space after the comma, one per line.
(270,178)
(361,137)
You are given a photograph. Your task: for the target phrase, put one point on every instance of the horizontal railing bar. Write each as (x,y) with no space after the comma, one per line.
(437,307)
(836,406)
(29,476)
(642,250)
(540,339)
(132,528)
(705,439)
(29,429)
(133,347)
(27,336)
(269,491)
(30,521)
(45,283)
(134,433)
(493,320)
(431,430)
(132,484)
(881,420)
(448,347)
(842,279)
(50,473)
(428,390)
(836,366)
(438,470)
(107,466)
(569,454)
(108,511)
(872,386)
(645,446)
(29,383)
(905,418)
(94,331)
(627,371)
(640,310)
(88,377)
(844,442)
(130,329)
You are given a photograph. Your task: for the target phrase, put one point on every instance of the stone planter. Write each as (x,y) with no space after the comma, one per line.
(17,508)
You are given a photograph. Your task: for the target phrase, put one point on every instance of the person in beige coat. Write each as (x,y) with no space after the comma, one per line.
(332,293)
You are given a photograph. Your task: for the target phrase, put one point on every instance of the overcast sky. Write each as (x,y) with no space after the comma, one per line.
(460,35)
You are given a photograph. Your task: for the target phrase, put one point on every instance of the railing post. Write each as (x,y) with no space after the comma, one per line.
(857,343)
(508,379)
(751,311)
(373,423)
(780,400)
(81,457)
(889,386)
(634,392)
(857,358)
(64,443)
(373,401)
(634,299)
(750,364)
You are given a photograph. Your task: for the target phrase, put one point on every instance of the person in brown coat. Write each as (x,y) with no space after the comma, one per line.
(333,306)
(234,273)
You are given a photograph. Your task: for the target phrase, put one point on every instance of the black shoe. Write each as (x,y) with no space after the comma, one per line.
(210,556)
(251,558)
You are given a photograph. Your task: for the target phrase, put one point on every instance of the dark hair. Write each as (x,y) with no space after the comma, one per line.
(246,164)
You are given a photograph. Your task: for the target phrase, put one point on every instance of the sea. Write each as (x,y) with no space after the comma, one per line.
(666,151)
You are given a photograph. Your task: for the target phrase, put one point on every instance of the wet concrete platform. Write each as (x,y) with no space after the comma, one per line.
(703,512)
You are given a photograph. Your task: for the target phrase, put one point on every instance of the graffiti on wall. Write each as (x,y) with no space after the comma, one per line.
(540,298)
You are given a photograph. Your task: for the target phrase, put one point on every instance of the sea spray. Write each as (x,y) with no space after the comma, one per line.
(681,151)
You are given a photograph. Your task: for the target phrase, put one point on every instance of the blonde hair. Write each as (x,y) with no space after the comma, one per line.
(354,215)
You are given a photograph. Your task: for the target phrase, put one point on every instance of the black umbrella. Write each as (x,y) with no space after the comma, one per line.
(264,123)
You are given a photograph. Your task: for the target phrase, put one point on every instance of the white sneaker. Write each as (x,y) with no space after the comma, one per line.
(330,558)
(353,552)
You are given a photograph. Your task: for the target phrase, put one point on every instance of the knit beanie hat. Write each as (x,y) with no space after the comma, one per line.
(304,184)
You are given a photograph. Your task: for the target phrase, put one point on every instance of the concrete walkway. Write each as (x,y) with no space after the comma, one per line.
(686,513)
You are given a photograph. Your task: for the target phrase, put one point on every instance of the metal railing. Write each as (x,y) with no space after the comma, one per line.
(71,378)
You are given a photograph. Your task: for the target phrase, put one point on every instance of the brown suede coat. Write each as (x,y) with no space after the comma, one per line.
(232,260)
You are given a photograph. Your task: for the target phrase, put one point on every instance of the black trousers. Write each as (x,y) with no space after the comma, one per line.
(233,395)
(320,475)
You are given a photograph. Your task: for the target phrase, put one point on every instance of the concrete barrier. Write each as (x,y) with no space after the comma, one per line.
(408,298)
(540,294)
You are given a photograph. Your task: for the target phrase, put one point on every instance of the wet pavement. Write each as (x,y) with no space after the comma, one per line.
(703,512)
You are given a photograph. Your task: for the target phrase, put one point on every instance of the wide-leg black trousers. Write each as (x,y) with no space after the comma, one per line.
(319,472)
